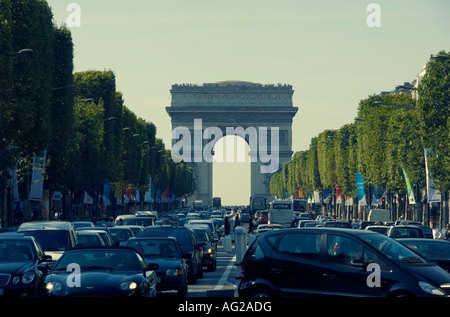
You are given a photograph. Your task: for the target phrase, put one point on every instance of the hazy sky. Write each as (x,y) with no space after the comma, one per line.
(324,49)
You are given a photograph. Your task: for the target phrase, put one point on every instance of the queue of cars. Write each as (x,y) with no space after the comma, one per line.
(132,257)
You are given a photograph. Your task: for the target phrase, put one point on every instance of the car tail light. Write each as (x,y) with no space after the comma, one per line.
(242,275)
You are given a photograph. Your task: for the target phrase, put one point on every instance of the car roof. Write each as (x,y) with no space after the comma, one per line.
(355,232)
(424,240)
(15,236)
(44,225)
(153,238)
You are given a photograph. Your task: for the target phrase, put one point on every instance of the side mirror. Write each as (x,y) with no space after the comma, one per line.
(152,267)
(358,263)
(47,258)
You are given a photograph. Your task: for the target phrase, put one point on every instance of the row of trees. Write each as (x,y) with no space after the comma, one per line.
(389,135)
(80,120)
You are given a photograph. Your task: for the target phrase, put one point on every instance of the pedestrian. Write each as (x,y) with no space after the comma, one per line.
(227,226)
(250,225)
(237,222)
(447,235)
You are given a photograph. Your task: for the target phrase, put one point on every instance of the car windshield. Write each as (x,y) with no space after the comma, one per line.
(51,240)
(392,249)
(152,248)
(15,251)
(101,260)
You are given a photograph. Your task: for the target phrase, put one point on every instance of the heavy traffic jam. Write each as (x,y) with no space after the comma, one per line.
(291,251)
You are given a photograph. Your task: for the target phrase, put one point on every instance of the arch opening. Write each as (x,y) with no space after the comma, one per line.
(232,170)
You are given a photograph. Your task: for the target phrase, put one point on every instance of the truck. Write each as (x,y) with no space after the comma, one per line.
(198,205)
(257,203)
(300,205)
(281,212)
(379,215)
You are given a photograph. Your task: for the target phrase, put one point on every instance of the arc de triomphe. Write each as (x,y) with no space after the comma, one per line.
(260,114)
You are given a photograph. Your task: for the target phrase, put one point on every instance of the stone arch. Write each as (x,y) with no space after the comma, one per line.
(261,114)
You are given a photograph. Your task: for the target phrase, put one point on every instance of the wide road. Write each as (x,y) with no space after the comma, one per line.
(220,283)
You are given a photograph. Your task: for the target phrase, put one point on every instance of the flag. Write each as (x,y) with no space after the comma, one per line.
(433,195)
(409,187)
(326,196)
(338,194)
(316,198)
(360,189)
(158,195)
(57,195)
(107,193)
(88,200)
(37,177)
(148,198)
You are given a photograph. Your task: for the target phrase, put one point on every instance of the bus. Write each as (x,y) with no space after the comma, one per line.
(217,202)
(281,212)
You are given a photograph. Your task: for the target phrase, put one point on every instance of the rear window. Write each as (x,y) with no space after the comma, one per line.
(181,235)
(51,240)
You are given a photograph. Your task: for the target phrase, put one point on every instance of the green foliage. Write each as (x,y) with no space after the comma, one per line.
(434,118)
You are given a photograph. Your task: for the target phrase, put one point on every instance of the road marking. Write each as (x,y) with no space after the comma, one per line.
(224,279)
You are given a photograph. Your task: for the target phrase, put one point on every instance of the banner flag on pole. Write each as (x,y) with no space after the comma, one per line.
(338,195)
(107,193)
(360,189)
(37,177)
(326,196)
(433,195)
(409,187)
(88,200)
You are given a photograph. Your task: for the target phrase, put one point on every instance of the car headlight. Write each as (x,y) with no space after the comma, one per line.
(430,289)
(28,277)
(174,272)
(53,286)
(125,286)
(209,251)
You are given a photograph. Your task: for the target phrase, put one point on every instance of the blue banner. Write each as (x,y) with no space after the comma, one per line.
(360,189)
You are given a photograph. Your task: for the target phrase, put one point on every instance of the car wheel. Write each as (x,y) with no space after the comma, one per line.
(261,292)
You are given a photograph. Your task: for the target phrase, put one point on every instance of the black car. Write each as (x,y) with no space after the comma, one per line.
(190,247)
(437,251)
(173,269)
(121,234)
(337,262)
(102,271)
(23,266)
(337,224)
(209,243)
(404,231)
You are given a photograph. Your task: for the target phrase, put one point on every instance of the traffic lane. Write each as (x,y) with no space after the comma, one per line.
(220,283)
